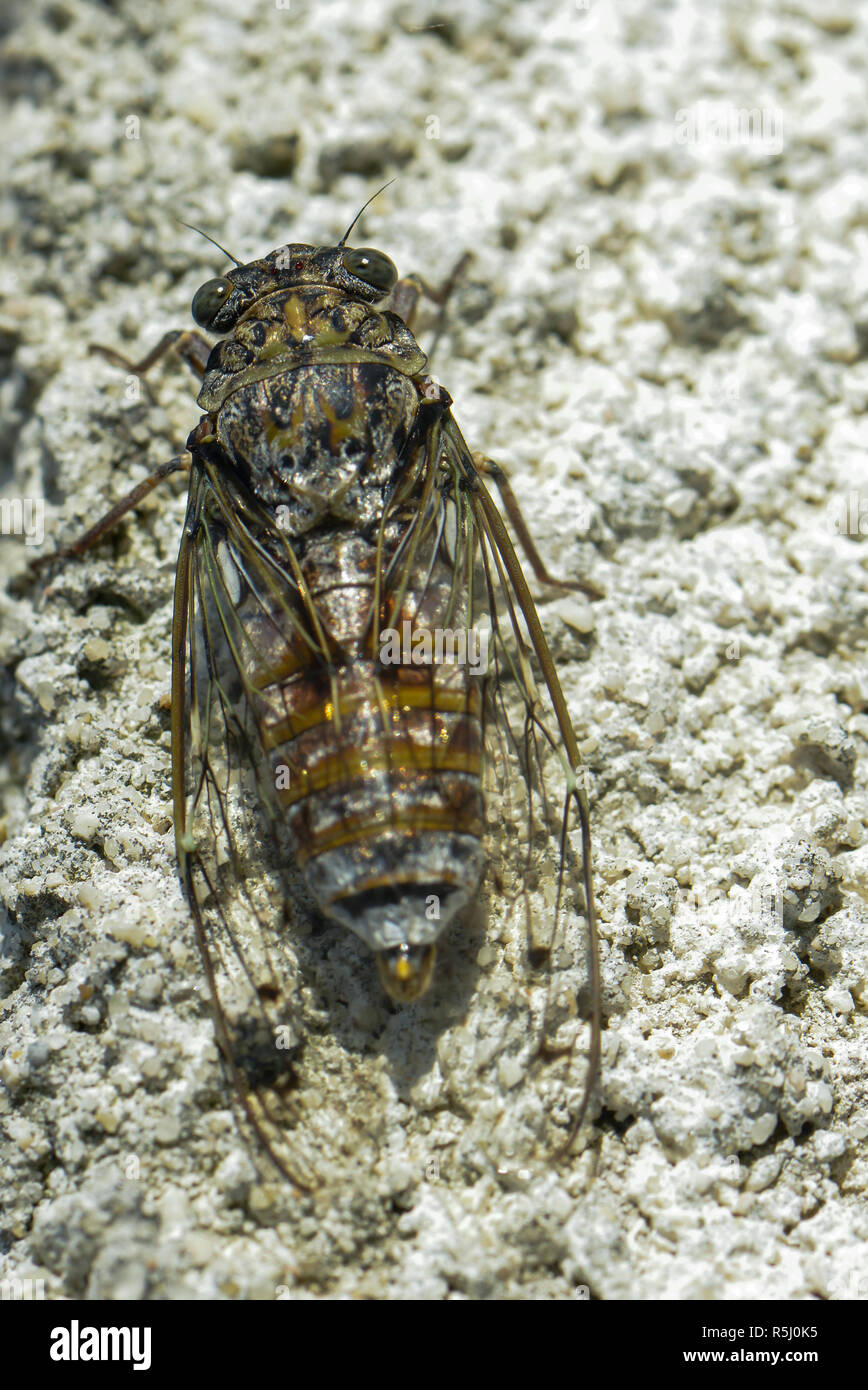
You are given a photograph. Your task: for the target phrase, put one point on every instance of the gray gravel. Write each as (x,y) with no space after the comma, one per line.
(663,336)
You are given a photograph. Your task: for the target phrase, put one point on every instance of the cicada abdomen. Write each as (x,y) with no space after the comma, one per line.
(378,765)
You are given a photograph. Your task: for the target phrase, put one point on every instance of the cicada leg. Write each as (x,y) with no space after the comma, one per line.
(495,472)
(179,464)
(193,349)
(404,299)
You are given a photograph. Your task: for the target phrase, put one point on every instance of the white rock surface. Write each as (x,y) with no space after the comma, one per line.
(663,336)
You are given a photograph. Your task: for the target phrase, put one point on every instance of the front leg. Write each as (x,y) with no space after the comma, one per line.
(181,463)
(404,299)
(192,348)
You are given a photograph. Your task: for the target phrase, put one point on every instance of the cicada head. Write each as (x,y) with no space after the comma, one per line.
(361,273)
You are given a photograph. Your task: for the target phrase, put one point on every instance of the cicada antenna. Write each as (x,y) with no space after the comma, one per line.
(216,243)
(343,239)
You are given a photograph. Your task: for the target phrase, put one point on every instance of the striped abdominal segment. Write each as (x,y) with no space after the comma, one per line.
(380,774)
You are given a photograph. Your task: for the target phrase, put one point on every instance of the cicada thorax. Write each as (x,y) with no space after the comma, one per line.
(313,396)
(367,709)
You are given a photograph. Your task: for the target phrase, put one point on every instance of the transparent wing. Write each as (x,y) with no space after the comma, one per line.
(242,614)
(539,849)
(454,565)
(244,618)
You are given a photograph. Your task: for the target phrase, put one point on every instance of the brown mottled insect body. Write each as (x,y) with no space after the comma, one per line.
(382,764)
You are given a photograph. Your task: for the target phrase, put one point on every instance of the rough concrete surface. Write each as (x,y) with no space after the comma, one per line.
(663,336)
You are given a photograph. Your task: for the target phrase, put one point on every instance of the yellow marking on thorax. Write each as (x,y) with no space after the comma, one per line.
(350,427)
(296,316)
(328,336)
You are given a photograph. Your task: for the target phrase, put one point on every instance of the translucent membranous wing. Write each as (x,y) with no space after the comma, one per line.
(487,754)
(541,980)
(449,564)
(241,616)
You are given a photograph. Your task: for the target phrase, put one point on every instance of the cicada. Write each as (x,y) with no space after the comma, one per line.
(365,711)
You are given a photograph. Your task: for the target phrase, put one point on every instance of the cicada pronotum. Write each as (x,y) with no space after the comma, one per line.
(342,749)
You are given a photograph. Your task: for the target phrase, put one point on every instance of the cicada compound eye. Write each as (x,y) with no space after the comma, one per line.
(372,267)
(209,300)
